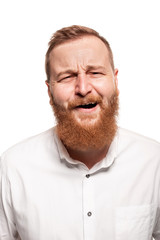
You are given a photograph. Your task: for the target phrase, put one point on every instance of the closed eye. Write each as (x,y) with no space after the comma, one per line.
(66,78)
(96,73)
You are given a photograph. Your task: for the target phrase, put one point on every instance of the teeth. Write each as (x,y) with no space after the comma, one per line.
(89,104)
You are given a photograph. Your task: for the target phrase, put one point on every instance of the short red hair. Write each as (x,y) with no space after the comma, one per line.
(72,33)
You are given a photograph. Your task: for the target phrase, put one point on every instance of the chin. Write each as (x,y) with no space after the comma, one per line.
(86,120)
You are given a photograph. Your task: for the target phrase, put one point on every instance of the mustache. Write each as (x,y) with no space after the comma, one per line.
(84,101)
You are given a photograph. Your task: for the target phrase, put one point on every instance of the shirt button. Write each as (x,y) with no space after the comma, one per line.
(89,214)
(88,175)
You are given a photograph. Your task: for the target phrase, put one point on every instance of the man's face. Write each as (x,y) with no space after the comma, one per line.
(82,68)
(82,81)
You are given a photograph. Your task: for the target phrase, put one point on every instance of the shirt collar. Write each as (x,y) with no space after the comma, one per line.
(104,163)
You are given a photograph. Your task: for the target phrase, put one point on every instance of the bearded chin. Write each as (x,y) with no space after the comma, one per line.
(87,136)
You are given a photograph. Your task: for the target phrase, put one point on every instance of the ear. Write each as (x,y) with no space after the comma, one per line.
(49,93)
(116,80)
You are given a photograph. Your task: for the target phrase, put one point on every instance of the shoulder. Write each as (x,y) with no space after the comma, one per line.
(29,149)
(138,143)
(133,136)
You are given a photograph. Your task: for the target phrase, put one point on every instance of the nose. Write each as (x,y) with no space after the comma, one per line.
(83,86)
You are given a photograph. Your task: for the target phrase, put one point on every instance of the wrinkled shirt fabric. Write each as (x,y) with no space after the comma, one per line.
(46,195)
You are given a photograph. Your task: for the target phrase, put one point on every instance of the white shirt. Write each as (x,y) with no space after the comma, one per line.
(45,195)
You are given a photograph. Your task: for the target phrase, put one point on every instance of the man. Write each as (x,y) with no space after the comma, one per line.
(85,178)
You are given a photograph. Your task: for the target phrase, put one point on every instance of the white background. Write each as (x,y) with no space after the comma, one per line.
(131,27)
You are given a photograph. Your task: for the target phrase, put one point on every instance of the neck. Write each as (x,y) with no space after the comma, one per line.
(88,157)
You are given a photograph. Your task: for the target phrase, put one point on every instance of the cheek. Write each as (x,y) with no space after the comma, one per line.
(105,89)
(61,94)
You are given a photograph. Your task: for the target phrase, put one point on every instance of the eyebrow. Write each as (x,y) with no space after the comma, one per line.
(94,67)
(88,68)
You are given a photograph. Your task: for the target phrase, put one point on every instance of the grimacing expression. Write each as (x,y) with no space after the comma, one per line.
(82,80)
(80,68)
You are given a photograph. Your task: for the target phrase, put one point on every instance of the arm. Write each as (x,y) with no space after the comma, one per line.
(156,232)
(7,223)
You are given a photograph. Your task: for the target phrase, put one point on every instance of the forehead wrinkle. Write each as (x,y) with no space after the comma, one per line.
(77,64)
(94,67)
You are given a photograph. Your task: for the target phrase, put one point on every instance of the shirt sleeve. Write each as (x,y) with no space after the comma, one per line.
(7,223)
(156,233)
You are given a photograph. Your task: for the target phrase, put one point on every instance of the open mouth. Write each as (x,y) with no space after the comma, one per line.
(87,106)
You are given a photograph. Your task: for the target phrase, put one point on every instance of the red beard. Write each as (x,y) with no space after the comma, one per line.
(87,136)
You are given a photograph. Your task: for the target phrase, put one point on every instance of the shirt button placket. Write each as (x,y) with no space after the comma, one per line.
(87,175)
(89,214)
(88,207)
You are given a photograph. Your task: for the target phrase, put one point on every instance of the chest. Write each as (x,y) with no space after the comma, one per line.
(107,205)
